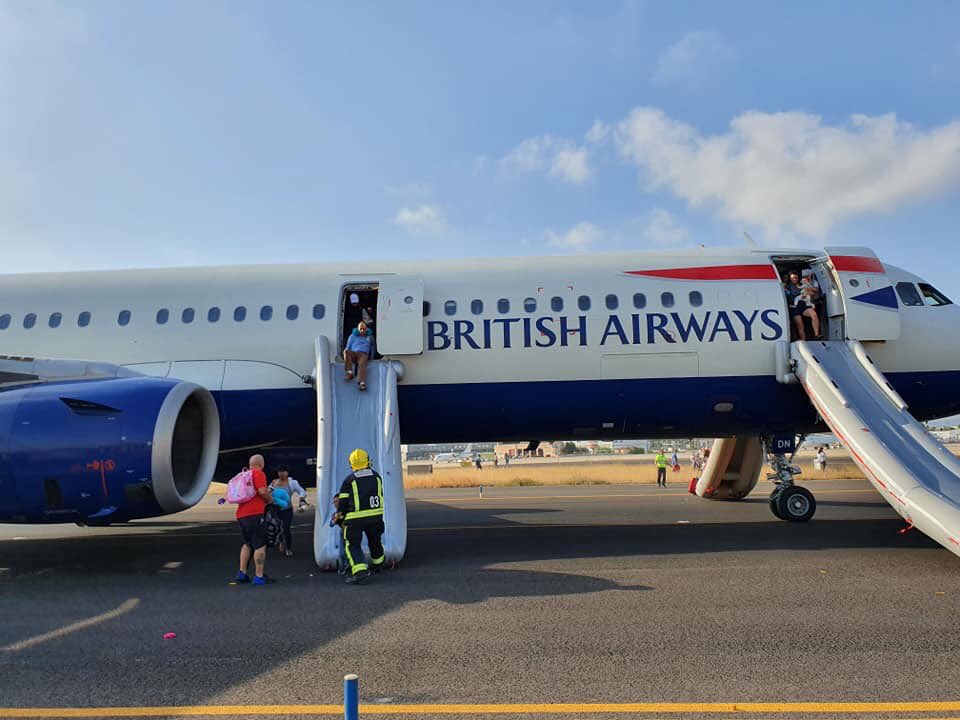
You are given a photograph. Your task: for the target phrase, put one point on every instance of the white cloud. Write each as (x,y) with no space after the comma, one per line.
(598,132)
(789,172)
(571,164)
(661,228)
(580,238)
(422,220)
(697,53)
(528,156)
(561,158)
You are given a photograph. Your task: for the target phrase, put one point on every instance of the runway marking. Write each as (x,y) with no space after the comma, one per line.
(125,607)
(802,708)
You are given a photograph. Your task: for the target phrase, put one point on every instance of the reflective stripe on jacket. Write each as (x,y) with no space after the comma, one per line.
(361,496)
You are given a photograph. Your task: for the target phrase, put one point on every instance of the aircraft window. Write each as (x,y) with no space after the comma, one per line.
(266,312)
(4,321)
(426,308)
(530,305)
(613,302)
(162,316)
(239,313)
(908,294)
(187,315)
(932,296)
(666,299)
(503,306)
(293,312)
(83,319)
(213,315)
(639,301)
(583,302)
(29,320)
(476,307)
(696,299)
(319,311)
(450,307)
(556,304)
(123,318)
(55,319)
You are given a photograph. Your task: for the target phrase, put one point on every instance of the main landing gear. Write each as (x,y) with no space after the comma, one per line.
(788,501)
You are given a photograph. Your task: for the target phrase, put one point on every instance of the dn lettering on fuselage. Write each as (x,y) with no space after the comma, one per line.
(635,329)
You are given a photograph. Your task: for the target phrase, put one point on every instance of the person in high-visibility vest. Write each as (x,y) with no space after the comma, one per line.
(360,507)
(661,462)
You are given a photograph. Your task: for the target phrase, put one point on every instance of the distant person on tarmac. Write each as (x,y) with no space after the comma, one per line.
(478,462)
(250,517)
(821,459)
(357,354)
(360,507)
(661,462)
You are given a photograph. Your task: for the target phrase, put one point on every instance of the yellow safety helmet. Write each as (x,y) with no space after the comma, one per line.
(359,459)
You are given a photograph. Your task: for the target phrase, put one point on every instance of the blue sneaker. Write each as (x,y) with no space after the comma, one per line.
(242,577)
(265,580)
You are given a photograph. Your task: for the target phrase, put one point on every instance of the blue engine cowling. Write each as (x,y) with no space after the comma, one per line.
(103,451)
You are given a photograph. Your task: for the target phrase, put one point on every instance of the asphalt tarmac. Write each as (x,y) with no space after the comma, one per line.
(587,596)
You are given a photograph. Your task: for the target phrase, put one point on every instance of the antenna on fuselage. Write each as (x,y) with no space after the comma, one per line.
(750,241)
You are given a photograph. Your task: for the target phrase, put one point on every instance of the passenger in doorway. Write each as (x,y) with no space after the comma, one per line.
(360,505)
(362,311)
(250,517)
(358,353)
(800,301)
(285,489)
(661,462)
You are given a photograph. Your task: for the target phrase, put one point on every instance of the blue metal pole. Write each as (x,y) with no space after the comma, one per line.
(351,697)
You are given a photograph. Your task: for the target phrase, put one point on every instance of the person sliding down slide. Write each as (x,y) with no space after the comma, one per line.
(358,352)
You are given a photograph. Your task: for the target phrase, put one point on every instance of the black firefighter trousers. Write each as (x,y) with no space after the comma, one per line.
(353,533)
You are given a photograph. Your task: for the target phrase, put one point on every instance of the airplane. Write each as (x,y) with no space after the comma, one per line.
(455,457)
(123,393)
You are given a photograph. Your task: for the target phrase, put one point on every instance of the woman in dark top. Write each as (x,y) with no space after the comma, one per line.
(800,305)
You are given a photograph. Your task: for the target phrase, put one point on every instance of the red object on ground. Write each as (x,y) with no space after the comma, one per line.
(693,486)
(169,636)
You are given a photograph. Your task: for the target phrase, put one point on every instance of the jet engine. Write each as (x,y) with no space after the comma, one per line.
(97,451)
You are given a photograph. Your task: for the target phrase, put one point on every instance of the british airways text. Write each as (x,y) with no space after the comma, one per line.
(635,329)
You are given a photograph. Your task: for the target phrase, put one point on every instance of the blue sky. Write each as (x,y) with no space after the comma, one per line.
(177,133)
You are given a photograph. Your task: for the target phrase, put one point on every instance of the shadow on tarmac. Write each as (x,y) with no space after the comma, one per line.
(228,635)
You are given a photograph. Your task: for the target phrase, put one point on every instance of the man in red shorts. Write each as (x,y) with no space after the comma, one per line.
(250,517)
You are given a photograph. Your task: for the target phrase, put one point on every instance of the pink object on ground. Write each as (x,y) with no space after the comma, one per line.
(169,635)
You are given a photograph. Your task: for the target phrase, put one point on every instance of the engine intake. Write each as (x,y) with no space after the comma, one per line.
(106,450)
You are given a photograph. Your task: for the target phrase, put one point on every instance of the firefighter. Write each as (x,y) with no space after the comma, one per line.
(360,507)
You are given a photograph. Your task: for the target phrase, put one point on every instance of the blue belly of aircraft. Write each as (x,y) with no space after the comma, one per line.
(676,407)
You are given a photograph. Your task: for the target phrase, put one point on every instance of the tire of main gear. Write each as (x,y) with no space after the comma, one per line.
(796,504)
(774,497)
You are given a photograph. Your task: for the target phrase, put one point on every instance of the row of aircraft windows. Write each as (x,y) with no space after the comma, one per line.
(187,316)
(584,303)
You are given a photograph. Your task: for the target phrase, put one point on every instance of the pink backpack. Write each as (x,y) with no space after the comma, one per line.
(240,489)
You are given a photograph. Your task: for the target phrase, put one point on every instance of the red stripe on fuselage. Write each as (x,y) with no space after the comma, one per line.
(855,263)
(716,272)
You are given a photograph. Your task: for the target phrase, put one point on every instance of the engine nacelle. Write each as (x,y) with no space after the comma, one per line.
(732,469)
(108,450)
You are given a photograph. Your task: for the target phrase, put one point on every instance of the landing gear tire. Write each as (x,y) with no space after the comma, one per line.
(774,503)
(795,504)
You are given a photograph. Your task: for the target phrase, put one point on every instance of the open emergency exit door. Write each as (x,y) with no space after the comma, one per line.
(871,311)
(400,315)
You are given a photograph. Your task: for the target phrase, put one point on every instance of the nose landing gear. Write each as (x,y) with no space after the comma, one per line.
(789,501)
